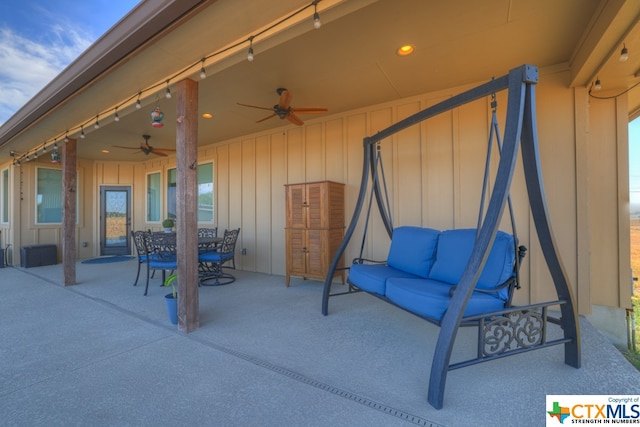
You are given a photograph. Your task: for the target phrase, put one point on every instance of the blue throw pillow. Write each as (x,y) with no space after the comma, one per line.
(413,250)
(454,250)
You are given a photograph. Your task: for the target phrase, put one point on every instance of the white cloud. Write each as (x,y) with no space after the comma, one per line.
(27,66)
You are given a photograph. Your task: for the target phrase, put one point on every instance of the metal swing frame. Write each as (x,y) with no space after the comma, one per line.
(520,129)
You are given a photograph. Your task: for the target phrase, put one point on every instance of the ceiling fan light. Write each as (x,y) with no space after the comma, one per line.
(624,54)
(405,50)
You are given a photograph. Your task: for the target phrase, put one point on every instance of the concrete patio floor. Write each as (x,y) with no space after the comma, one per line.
(101,354)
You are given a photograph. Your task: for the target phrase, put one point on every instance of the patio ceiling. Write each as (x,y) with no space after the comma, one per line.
(350,62)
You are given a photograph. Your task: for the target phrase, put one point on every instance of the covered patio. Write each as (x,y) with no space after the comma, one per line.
(103,354)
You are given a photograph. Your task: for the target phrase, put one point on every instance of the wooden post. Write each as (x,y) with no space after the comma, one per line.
(69,187)
(187,203)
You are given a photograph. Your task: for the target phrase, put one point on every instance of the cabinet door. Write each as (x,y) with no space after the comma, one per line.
(296,206)
(316,253)
(316,205)
(296,251)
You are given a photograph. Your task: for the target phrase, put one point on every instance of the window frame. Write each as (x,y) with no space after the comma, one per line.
(5,193)
(160,198)
(169,199)
(35,199)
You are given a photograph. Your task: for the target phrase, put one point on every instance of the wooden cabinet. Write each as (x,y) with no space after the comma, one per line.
(314,228)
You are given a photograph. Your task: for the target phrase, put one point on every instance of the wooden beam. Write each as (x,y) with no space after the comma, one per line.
(186,200)
(69,186)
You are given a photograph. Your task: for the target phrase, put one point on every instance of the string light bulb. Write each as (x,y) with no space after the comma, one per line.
(82,135)
(316,16)
(624,53)
(167,91)
(250,53)
(597,85)
(203,73)
(116,117)
(97,124)
(55,144)
(66,136)
(138,104)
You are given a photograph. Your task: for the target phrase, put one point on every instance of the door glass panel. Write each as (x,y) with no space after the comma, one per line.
(115,219)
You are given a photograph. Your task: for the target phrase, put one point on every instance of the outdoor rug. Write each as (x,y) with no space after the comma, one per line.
(106,259)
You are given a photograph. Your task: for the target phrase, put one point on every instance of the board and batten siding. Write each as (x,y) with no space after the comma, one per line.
(434,173)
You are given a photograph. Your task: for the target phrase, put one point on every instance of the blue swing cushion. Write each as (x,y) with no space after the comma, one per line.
(425,264)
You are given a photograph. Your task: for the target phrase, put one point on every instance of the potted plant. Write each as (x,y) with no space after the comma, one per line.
(168,224)
(171,300)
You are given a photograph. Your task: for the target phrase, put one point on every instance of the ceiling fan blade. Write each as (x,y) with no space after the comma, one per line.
(128,148)
(285,99)
(255,106)
(309,110)
(268,117)
(294,119)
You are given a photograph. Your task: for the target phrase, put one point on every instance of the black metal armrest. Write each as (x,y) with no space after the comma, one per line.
(365,260)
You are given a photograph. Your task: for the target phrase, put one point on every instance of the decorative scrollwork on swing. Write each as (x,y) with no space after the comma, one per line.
(512,331)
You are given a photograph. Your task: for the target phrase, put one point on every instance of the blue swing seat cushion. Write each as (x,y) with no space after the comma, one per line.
(373,277)
(454,251)
(413,250)
(430,298)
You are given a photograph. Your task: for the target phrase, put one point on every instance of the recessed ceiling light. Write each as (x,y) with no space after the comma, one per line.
(405,50)
(105,151)
(207,115)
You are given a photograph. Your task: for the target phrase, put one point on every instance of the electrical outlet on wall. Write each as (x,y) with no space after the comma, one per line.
(244,251)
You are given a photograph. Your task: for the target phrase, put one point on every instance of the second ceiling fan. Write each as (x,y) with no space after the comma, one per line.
(147,149)
(284,110)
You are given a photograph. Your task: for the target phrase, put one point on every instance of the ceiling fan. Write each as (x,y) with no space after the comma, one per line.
(147,149)
(284,110)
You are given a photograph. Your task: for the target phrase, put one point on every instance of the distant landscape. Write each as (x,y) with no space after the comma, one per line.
(635,251)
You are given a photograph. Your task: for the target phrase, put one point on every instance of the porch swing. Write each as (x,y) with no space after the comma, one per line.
(466,277)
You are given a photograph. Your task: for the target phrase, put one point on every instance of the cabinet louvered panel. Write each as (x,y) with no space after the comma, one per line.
(316,206)
(314,228)
(296,251)
(296,206)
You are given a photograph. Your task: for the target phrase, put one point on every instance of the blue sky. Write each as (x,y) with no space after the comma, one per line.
(38,39)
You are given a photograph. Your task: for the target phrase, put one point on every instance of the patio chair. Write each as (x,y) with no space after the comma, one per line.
(211,262)
(161,255)
(206,232)
(139,238)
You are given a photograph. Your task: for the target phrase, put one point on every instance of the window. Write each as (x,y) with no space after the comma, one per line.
(48,196)
(154,206)
(4,182)
(205,192)
(171,193)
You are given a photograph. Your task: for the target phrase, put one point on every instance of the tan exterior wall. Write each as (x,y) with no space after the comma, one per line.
(434,174)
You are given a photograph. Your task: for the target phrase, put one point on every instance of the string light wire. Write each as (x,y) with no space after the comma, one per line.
(186,70)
